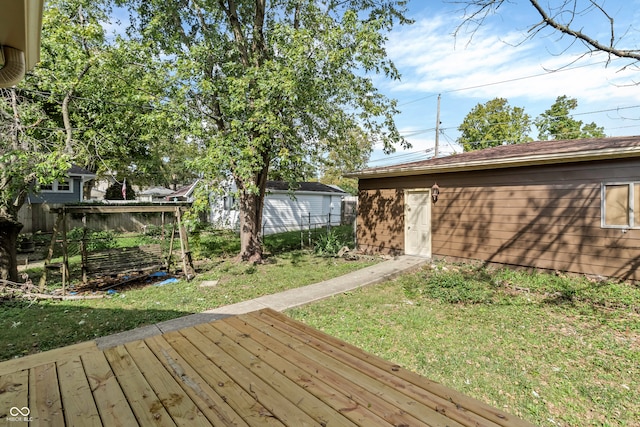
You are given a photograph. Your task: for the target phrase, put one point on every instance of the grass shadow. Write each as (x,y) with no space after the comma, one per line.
(27,328)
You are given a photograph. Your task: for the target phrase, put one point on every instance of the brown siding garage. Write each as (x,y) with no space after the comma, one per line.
(546,215)
(381,220)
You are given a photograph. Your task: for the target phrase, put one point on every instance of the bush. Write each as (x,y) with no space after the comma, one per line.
(329,244)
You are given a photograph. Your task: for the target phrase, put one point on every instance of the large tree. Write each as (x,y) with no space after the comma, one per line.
(109,93)
(275,82)
(93,100)
(492,124)
(556,122)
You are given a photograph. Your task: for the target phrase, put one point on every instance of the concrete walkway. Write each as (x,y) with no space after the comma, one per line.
(281,301)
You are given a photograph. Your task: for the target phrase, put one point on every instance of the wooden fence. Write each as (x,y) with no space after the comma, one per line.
(40,217)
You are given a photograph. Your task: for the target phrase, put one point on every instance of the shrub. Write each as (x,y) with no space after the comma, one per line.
(329,244)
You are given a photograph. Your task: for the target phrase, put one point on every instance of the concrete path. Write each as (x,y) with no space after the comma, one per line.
(281,301)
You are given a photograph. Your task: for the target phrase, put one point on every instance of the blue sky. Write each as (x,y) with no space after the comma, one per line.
(499,61)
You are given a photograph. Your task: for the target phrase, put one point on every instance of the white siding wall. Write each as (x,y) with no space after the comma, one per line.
(282,213)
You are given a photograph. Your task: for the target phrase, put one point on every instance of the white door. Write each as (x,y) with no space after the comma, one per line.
(417,223)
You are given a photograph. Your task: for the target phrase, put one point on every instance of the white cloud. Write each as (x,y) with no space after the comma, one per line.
(431,61)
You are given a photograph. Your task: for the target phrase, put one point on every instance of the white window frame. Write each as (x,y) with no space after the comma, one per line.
(55,189)
(632,208)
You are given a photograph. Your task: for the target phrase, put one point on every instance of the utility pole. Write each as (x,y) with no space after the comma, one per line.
(435,152)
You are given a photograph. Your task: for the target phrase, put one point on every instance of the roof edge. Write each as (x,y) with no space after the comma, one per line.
(534,160)
(308,192)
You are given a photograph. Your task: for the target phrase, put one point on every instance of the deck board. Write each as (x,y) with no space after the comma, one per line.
(257,369)
(111,402)
(44,396)
(356,401)
(183,411)
(14,393)
(323,394)
(145,404)
(77,400)
(301,398)
(369,392)
(262,392)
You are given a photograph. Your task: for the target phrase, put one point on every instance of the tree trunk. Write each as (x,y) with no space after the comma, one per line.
(9,230)
(251,205)
(250,228)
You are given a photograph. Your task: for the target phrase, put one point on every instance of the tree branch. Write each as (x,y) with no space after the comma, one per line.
(476,12)
(589,41)
(231,11)
(258,46)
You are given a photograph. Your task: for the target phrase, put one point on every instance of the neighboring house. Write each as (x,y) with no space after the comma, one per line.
(35,215)
(561,205)
(311,204)
(183,194)
(154,194)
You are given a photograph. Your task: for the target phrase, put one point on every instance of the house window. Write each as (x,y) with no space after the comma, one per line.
(621,205)
(57,187)
(229,203)
(63,186)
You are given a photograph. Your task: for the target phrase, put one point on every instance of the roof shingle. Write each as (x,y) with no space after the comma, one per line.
(555,151)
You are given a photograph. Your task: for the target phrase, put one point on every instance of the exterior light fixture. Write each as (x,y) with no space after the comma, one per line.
(435,192)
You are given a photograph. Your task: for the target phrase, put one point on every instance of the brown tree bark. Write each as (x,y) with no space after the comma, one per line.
(9,230)
(251,205)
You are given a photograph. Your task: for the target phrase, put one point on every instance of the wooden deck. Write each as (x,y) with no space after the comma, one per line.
(256,369)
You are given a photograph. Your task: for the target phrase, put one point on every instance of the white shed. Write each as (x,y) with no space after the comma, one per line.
(311,204)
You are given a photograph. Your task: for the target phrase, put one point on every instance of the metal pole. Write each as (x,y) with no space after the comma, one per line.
(65,252)
(435,152)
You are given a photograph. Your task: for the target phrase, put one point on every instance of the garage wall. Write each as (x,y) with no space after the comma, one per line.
(545,217)
(380,221)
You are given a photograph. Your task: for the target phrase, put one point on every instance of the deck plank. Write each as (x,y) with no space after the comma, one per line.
(214,407)
(354,371)
(282,409)
(273,352)
(44,396)
(110,400)
(251,411)
(365,395)
(229,340)
(146,406)
(32,360)
(14,393)
(183,411)
(79,407)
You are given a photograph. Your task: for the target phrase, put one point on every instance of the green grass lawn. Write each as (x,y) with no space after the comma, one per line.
(27,327)
(556,351)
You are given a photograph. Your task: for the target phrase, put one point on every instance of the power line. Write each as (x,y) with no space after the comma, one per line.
(405,157)
(504,81)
